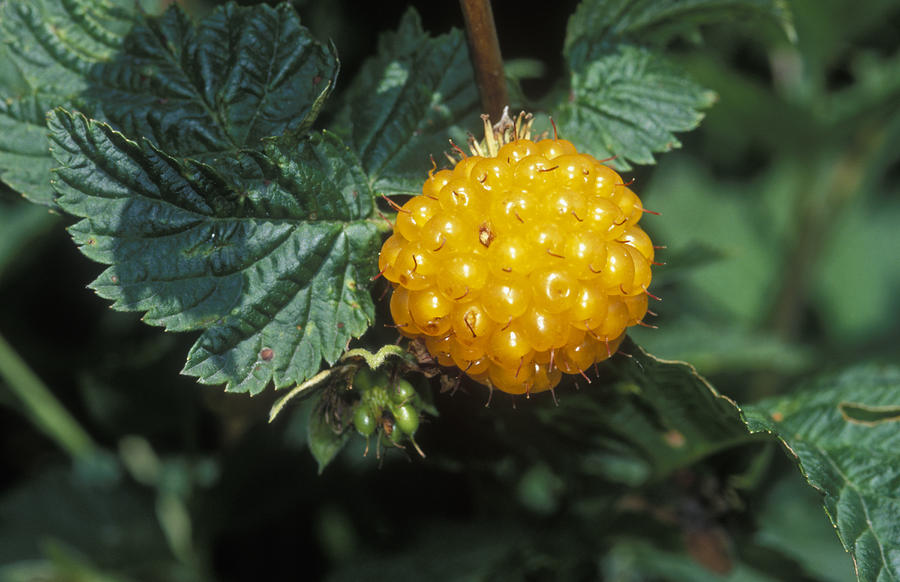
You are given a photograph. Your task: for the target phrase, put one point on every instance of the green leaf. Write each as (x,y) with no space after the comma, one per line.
(206,92)
(48,47)
(661,415)
(851,454)
(639,560)
(627,103)
(404,102)
(114,523)
(746,224)
(791,522)
(241,75)
(625,99)
(327,435)
(714,347)
(273,267)
(859,297)
(656,21)
(692,420)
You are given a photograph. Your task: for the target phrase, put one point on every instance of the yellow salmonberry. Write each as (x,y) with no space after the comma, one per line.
(522,263)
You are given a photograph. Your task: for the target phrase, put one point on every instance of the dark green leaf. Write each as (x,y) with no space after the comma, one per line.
(50,46)
(113,523)
(207,91)
(853,462)
(273,266)
(695,418)
(627,103)
(660,416)
(640,561)
(442,552)
(326,434)
(403,104)
(240,75)
(791,522)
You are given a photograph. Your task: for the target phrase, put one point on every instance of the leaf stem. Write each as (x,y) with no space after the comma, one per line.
(42,406)
(484,51)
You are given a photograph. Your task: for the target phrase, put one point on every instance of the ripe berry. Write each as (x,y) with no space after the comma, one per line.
(523,262)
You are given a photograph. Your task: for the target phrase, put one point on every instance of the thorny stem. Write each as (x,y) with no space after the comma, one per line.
(484,51)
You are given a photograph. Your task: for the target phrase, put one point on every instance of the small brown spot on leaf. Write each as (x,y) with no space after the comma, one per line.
(317,79)
(266,354)
(114,278)
(777,416)
(674,439)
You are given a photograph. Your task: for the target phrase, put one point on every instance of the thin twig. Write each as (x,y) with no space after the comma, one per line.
(484,51)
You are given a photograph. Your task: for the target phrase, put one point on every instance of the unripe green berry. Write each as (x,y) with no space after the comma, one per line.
(364,420)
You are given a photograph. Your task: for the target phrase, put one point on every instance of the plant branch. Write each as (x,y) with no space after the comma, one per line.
(817,217)
(42,406)
(484,51)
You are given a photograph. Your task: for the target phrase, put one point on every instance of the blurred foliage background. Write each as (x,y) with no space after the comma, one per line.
(782,220)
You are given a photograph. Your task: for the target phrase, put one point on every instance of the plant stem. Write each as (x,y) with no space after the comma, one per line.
(484,51)
(42,406)
(816,218)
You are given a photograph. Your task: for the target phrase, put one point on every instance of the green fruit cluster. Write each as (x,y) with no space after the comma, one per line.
(390,410)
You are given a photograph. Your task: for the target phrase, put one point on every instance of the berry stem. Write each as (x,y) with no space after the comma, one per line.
(484,51)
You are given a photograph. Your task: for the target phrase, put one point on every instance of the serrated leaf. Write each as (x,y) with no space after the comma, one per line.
(791,522)
(49,46)
(625,99)
(404,102)
(694,419)
(207,91)
(203,91)
(660,416)
(655,21)
(25,161)
(844,431)
(273,267)
(714,347)
(627,103)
